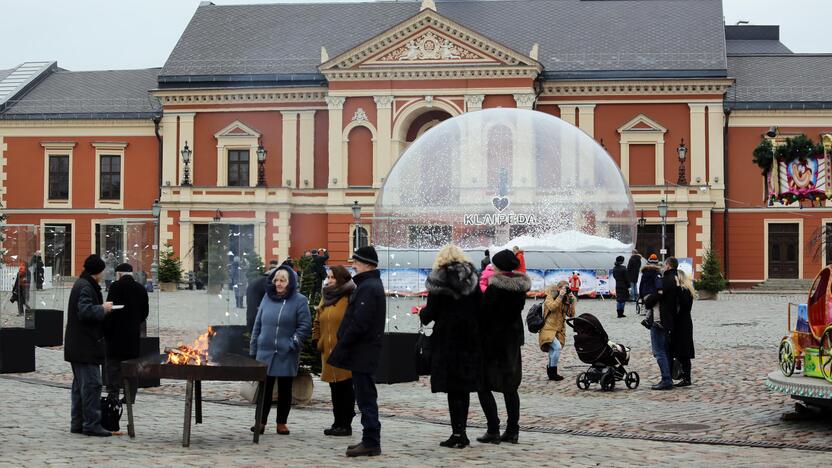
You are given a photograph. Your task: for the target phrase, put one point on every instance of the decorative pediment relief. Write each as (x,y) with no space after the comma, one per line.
(428,39)
(641,123)
(237,129)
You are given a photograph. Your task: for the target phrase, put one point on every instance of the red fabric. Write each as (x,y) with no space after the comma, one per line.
(575,283)
(521,257)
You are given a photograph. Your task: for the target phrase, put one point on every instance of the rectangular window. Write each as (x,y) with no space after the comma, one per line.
(110,177)
(238,168)
(59,177)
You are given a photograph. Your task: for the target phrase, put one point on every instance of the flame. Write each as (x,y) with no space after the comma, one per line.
(196,354)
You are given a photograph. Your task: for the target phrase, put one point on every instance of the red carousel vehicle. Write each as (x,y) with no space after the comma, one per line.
(808,347)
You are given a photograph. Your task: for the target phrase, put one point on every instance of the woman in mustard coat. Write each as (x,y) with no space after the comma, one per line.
(336,295)
(559,304)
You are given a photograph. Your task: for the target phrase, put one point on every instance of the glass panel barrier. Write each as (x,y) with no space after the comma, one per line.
(18,244)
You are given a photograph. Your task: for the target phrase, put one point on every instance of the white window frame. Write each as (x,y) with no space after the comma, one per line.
(249,140)
(109,149)
(367,228)
(56,148)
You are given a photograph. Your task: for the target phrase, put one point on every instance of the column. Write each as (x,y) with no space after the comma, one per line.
(473,102)
(625,158)
(307,149)
(383,161)
(186,238)
(660,161)
(697,142)
(170,152)
(186,133)
(716,122)
(524,100)
(260,234)
(680,233)
(568,149)
(290,150)
(567,113)
(587,120)
(335,105)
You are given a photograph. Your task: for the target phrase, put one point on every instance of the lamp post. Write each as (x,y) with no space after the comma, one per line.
(682,151)
(217,216)
(186,159)
(663,213)
(642,221)
(261,163)
(356,216)
(155,210)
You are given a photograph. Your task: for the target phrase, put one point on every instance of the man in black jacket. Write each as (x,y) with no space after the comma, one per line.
(84,350)
(660,333)
(122,328)
(633,269)
(254,294)
(359,346)
(622,285)
(320,257)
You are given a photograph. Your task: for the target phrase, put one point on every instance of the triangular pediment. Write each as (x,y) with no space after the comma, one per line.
(428,40)
(641,123)
(237,129)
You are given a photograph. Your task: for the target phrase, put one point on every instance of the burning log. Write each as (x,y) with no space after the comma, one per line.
(191,355)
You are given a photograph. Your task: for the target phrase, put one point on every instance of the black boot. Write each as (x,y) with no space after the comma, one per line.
(456,441)
(552,372)
(490,438)
(509,436)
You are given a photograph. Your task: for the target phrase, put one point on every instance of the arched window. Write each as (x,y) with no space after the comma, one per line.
(360,237)
(360,157)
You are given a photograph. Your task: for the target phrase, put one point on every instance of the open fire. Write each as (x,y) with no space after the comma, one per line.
(197,354)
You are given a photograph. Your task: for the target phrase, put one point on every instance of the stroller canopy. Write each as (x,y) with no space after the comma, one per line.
(588,324)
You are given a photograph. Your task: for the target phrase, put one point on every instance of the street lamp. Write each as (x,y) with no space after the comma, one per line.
(186,159)
(663,213)
(356,216)
(261,163)
(683,152)
(642,221)
(155,210)
(217,216)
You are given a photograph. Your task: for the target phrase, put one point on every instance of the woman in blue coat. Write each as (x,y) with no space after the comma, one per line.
(282,325)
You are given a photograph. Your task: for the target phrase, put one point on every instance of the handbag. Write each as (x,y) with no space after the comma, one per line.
(111,410)
(422,354)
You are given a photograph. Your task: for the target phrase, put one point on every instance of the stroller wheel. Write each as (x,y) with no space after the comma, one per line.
(608,382)
(582,381)
(632,379)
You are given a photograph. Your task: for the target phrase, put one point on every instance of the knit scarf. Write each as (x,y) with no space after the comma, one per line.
(333,292)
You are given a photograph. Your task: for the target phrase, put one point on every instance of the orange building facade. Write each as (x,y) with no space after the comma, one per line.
(331,137)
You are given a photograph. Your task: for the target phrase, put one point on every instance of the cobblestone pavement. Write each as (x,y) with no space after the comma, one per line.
(736,339)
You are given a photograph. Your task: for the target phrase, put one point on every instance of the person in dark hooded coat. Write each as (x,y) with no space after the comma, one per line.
(456,356)
(502,335)
(622,285)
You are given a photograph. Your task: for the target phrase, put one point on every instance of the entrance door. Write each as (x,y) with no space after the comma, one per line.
(649,240)
(783,250)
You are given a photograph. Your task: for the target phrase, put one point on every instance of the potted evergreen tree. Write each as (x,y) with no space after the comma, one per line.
(170,270)
(712,281)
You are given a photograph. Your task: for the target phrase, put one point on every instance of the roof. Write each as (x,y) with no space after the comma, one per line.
(111,94)
(745,47)
(777,81)
(17,81)
(281,42)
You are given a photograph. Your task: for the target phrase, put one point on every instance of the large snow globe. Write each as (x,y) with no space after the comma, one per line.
(497,179)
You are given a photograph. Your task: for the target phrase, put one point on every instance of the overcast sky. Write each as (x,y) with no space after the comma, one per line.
(123,34)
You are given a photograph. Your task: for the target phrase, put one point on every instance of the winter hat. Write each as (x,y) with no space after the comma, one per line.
(94,265)
(619,259)
(505,260)
(653,259)
(125,268)
(366,255)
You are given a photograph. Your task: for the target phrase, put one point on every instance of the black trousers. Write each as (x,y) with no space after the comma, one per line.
(458,403)
(489,407)
(114,381)
(366,397)
(685,367)
(343,403)
(284,398)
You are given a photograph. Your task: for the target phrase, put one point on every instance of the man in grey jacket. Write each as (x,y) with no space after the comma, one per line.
(84,348)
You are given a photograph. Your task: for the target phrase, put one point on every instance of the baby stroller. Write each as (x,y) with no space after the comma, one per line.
(606,359)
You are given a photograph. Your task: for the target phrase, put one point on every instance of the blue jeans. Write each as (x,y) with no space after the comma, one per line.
(634,291)
(554,353)
(86,397)
(619,305)
(367,399)
(660,343)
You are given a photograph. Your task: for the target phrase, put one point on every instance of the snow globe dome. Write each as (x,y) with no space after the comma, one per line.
(499,178)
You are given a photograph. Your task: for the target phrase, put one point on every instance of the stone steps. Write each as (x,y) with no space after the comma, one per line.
(783,286)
